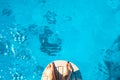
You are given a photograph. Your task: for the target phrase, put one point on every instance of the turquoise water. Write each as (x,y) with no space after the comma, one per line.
(35,32)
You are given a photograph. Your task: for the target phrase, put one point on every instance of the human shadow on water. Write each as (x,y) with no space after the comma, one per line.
(6,12)
(49,47)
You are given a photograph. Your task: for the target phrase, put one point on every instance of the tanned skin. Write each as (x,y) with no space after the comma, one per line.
(50,72)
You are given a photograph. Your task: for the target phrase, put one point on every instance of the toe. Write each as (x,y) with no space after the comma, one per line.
(52,65)
(70,67)
(48,66)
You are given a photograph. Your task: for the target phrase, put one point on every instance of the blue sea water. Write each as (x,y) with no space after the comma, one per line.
(34,33)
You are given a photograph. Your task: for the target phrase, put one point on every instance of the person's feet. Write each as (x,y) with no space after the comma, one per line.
(50,72)
(68,71)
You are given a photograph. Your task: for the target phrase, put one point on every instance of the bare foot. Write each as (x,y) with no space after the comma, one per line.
(68,71)
(50,72)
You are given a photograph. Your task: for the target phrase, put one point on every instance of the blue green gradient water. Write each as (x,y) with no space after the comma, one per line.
(35,32)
